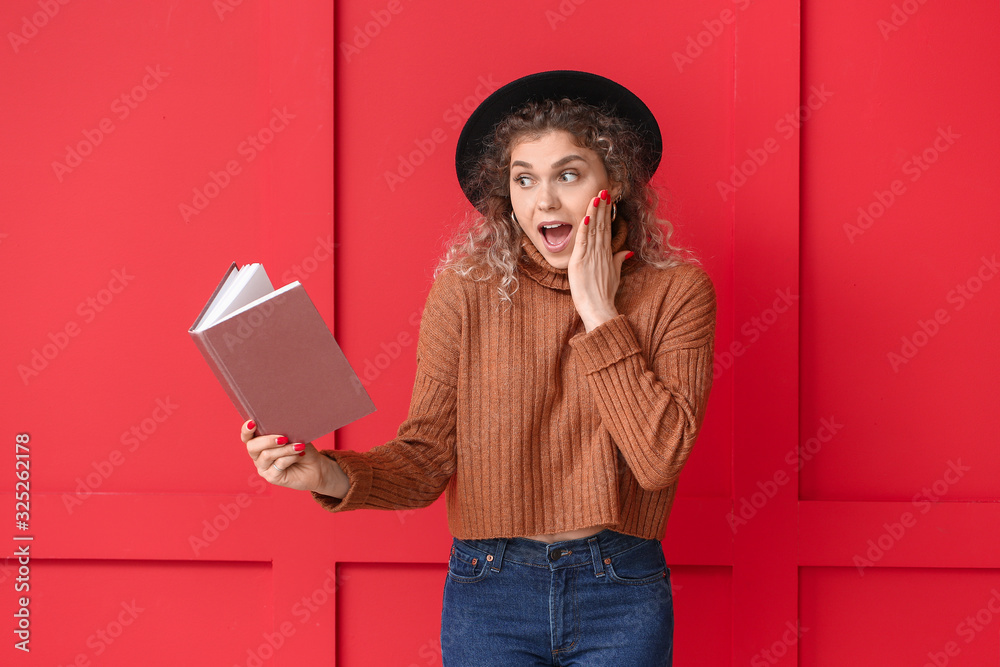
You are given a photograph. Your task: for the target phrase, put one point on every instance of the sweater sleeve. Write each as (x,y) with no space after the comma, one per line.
(653,408)
(414,468)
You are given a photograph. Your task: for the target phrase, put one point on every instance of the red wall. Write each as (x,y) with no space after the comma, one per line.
(837,509)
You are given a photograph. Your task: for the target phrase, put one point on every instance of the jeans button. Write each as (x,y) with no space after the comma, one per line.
(559,553)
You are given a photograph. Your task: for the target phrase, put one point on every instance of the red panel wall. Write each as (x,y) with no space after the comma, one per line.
(900,308)
(147,145)
(899,237)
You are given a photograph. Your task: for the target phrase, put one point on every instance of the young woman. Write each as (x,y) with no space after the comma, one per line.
(563,367)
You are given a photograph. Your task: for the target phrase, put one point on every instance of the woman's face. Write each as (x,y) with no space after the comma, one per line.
(552,182)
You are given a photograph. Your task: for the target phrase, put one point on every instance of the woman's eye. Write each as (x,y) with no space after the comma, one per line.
(565,177)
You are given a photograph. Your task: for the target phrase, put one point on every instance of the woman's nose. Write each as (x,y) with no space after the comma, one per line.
(548,198)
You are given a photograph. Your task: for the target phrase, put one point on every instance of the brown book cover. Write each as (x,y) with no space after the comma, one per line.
(281,366)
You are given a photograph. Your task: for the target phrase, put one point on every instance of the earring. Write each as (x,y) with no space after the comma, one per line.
(514,218)
(614,209)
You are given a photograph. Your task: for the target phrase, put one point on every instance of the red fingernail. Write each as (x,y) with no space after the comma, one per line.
(282,440)
(302,453)
(299,446)
(597,200)
(604,195)
(251,426)
(586,219)
(629,255)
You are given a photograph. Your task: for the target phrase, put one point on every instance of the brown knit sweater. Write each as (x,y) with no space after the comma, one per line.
(533,425)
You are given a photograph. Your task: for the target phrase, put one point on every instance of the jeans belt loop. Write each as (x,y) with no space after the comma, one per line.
(595,554)
(498,556)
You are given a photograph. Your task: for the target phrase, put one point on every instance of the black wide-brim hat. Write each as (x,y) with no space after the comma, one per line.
(609,96)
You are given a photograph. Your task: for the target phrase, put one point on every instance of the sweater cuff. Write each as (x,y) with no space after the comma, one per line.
(358,472)
(606,344)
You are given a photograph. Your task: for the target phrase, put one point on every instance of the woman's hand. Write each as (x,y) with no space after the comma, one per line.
(296,465)
(594,273)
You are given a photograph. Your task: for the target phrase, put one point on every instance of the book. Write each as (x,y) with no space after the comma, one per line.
(276,359)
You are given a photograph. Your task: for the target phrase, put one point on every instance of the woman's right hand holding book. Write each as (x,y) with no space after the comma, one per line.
(296,465)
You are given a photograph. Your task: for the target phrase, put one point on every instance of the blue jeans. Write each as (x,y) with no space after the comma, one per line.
(595,601)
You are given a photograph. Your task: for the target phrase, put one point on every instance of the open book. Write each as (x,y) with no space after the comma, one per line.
(275,357)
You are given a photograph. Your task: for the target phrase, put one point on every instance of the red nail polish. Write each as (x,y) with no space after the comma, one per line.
(586,219)
(597,200)
(302,453)
(604,195)
(282,440)
(299,446)
(251,426)
(629,255)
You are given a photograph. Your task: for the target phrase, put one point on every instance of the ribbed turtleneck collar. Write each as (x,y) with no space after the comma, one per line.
(534,264)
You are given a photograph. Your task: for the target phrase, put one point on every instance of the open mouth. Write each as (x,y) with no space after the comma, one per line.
(555,235)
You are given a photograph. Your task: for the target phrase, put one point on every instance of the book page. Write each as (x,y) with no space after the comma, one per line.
(259,301)
(251,283)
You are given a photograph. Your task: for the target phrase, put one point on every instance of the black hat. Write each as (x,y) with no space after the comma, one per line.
(557,84)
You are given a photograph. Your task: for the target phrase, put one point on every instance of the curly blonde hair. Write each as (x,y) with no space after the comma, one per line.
(487,243)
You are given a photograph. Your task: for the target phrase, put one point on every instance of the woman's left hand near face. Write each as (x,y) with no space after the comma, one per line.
(594,273)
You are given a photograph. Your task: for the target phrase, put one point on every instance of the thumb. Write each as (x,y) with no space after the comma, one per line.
(620,258)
